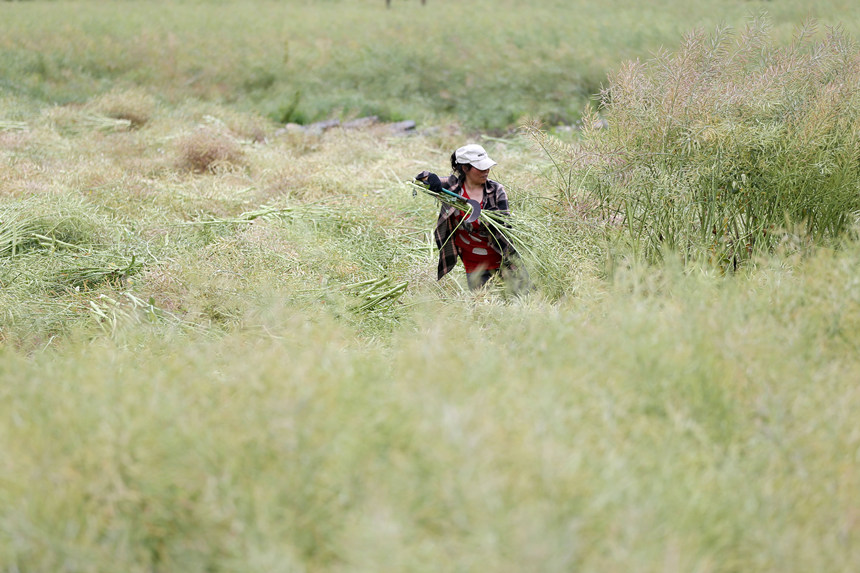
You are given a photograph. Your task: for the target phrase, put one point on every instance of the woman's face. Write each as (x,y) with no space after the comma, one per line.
(475,176)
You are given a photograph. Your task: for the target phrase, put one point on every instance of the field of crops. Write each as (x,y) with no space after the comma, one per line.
(223,346)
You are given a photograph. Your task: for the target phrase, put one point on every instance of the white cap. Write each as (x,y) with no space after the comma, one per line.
(475,156)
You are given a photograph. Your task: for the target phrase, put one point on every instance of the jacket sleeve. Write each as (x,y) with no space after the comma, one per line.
(502,200)
(443,223)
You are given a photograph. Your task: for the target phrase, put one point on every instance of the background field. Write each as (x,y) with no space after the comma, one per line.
(307,61)
(189,382)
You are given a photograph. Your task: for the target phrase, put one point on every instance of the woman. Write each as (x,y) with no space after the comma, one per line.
(483,251)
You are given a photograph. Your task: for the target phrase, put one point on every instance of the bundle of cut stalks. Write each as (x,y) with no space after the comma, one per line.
(500,223)
(18,236)
(377,292)
(15,235)
(111,312)
(13,125)
(96,122)
(266,213)
(88,277)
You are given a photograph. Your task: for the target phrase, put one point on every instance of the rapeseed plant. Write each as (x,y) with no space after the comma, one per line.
(715,148)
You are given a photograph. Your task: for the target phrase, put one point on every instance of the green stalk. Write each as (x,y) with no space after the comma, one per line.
(500,222)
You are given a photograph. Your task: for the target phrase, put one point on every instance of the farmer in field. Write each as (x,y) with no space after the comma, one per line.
(483,251)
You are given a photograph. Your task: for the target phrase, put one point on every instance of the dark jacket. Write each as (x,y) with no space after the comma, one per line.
(495,199)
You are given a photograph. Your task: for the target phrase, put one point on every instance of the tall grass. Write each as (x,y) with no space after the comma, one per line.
(716,149)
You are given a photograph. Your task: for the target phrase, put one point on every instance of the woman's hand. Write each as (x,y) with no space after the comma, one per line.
(431,179)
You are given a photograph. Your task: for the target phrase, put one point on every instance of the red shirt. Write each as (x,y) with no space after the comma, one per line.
(473,243)
(495,199)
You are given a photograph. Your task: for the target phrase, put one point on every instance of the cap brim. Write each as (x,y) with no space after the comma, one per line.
(483,164)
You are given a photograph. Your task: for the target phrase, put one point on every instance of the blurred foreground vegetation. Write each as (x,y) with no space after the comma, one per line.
(674,423)
(191,378)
